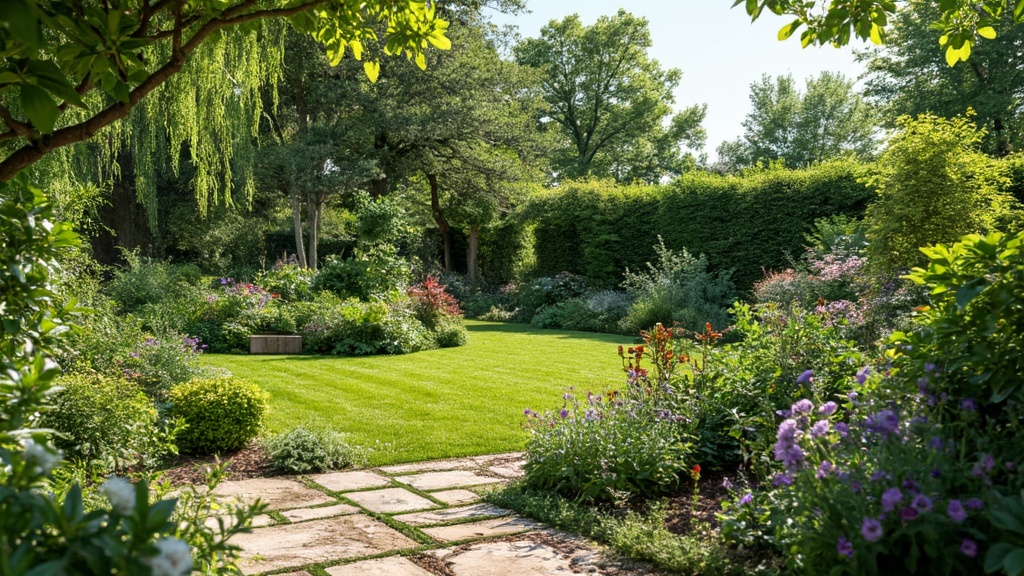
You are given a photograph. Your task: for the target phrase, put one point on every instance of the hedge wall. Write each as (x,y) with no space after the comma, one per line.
(744,223)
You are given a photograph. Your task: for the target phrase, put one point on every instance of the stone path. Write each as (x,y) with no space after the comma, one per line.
(422,519)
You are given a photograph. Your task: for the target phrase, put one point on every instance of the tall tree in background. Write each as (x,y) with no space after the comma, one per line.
(611,103)
(828,120)
(908,76)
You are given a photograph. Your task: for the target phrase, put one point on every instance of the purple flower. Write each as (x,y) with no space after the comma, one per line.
(921,503)
(852,396)
(929,367)
(843,428)
(871,529)
(805,377)
(786,449)
(909,484)
(803,406)
(591,414)
(781,479)
(883,423)
(820,428)
(726,483)
(564,413)
(879,475)
(844,547)
(824,469)
(855,487)
(862,374)
(955,511)
(975,504)
(746,499)
(567,396)
(828,408)
(935,443)
(907,514)
(133,354)
(968,405)
(969,548)
(890,498)
(526,411)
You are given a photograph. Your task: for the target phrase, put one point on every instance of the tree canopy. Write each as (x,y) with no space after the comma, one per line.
(827,120)
(610,102)
(72,68)
(960,22)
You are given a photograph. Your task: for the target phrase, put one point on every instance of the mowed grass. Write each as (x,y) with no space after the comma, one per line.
(437,403)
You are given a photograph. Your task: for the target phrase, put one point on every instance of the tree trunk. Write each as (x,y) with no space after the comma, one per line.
(315,207)
(300,250)
(378,187)
(471,254)
(442,223)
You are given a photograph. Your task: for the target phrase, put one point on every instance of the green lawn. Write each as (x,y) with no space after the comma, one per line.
(439,403)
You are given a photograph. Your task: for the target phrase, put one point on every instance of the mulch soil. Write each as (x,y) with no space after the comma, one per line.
(249,462)
(684,515)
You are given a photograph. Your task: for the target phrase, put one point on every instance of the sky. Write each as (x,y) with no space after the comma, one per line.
(719,51)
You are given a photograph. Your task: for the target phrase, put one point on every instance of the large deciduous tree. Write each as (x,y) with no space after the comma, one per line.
(908,76)
(827,120)
(610,102)
(73,67)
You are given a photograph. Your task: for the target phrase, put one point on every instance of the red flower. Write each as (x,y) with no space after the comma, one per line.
(696,469)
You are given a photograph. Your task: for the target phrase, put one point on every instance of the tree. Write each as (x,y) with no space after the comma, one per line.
(609,101)
(908,76)
(960,22)
(71,69)
(828,120)
(934,186)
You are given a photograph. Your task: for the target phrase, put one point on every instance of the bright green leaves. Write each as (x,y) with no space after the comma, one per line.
(38,107)
(372,70)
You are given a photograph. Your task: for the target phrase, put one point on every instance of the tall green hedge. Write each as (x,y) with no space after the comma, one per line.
(744,223)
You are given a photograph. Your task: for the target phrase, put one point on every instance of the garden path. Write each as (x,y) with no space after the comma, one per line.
(422,519)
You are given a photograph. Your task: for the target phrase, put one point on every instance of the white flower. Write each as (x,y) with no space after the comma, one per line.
(173,559)
(40,456)
(120,493)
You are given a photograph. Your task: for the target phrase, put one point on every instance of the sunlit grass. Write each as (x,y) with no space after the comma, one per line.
(438,403)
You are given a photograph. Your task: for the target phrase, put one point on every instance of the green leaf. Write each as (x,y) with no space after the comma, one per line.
(996,554)
(876,34)
(1013,564)
(786,31)
(372,70)
(987,32)
(39,108)
(952,55)
(969,291)
(1018,12)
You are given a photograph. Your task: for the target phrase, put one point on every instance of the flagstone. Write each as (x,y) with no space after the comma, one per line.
(277,493)
(486,528)
(450,479)
(303,514)
(450,514)
(390,500)
(432,466)
(355,480)
(456,497)
(339,538)
(390,566)
(519,558)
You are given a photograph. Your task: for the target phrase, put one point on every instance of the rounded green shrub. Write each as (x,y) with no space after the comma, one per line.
(221,414)
(105,421)
(450,334)
(311,449)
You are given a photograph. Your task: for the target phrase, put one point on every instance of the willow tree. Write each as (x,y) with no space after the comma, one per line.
(74,67)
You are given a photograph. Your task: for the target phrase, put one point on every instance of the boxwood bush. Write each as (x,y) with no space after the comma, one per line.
(221,414)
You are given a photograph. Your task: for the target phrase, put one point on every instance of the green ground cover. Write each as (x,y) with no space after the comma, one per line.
(438,403)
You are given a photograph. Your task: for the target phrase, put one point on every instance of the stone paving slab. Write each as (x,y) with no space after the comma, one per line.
(517,558)
(490,459)
(277,493)
(456,497)
(432,466)
(514,470)
(450,479)
(345,481)
(450,514)
(390,566)
(390,500)
(484,529)
(303,514)
(257,521)
(288,545)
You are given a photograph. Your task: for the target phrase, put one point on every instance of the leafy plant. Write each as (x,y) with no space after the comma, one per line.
(220,414)
(311,448)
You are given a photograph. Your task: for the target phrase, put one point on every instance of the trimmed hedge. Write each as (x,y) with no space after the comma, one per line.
(597,229)
(221,414)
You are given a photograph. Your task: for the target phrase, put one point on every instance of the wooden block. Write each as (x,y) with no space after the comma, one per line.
(275,344)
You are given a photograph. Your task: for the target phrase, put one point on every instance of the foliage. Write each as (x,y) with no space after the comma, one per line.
(147,281)
(546,291)
(595,312)
(220,414)
(351,327)
(107,423)
(449,333)
(827,121)
(306,449)
(375,272)
(933,186)
(433,304)
(597,229)
(960,22)
(908,76)
(287,280)
(911,472)
(610,101)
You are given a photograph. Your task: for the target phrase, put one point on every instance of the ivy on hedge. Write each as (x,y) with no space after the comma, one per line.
(745,223)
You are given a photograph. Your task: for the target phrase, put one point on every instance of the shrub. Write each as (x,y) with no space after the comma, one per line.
(934,185)
(677,290)
(450,334)
(220,414)
(354,328)
(147,281)
(373,273)
(541,292)
(106,422)
(311,449)
(287,280)
(432,303)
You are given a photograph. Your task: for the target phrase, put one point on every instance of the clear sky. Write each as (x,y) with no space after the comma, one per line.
(716,47)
